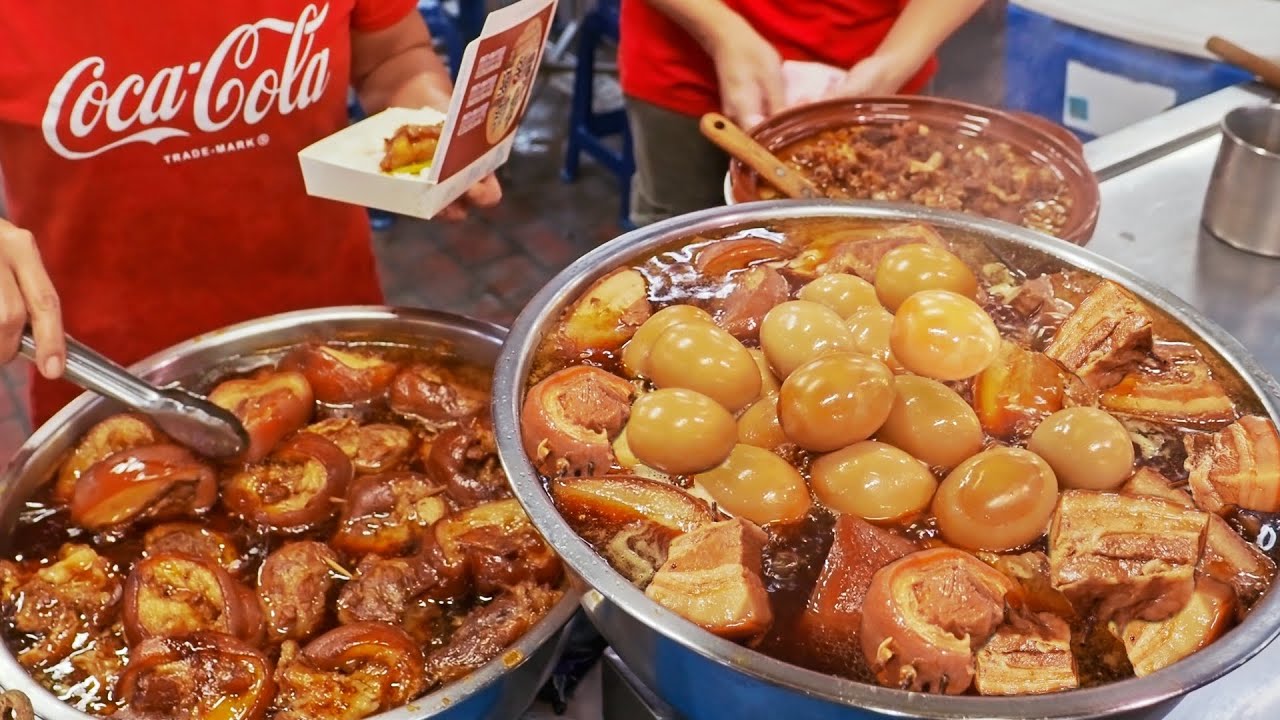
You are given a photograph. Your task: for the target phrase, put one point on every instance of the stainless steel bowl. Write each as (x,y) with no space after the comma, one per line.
(500,689)
(704,676)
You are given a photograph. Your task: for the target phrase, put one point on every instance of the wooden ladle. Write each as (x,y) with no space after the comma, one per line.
(732,139)
(1266,70)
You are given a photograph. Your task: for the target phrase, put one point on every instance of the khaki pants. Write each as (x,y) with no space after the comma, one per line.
(677,170)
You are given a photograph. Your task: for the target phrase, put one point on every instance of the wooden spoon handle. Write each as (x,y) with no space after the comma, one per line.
(724,132)
(1265,69)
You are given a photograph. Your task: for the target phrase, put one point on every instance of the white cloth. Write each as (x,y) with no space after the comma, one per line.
(806,82)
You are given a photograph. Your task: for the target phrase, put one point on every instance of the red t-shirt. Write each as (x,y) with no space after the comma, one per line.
(151,146)
(662,64)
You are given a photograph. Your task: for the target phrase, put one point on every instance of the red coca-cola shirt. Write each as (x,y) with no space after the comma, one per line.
(661,64)
(151,147)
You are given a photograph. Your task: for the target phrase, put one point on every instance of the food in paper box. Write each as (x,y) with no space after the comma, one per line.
(411,149)
(417,162)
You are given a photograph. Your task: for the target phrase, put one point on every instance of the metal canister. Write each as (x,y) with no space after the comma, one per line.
(1242,205)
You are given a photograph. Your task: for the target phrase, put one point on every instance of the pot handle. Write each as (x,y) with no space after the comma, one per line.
(1050,127)
(14,705)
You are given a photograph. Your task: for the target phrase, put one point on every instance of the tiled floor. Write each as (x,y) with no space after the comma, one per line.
(491,265)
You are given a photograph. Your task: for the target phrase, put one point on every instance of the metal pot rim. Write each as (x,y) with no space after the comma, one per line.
(48,706)
(1241,643)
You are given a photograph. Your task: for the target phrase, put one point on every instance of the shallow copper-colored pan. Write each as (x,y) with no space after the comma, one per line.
(1040,139)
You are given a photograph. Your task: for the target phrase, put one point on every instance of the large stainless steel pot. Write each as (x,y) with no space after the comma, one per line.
(501,689)
(704,676)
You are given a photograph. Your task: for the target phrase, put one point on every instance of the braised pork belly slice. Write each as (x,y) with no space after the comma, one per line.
(712,578)
(834,611)
(1238,466)
(631,521)
(1131,556)
(605,317)
(858,250)
(1029,655)
(1237,562)
(1106,336)
(1180,390)
(1227,557)
(752,293)
(1204,618)
(1149,483)
(1030,570)
(411,148)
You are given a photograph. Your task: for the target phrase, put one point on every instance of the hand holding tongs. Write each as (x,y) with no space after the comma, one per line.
(187,418)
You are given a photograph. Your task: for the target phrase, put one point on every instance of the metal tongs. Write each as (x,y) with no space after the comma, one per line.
(189,419)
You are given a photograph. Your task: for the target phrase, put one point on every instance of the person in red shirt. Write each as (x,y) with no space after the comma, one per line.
(680,59)
(149,155)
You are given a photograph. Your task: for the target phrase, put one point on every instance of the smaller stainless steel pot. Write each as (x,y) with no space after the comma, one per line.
(1242,206)
(501,689)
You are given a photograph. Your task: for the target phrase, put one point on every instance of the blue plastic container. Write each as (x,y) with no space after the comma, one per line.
(1038,50)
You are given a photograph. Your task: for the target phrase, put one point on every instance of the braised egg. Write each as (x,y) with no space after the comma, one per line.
(758,425)
(944,336)
(705,358)
(795,332)
(1086,447)
(872,480)
(679,431)
(841,292)
(835,400)
(906,270)
(756,484)
(931,422)
(635,354)
(996,500)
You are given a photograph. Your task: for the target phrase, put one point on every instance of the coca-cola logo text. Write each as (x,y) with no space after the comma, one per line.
(167,105)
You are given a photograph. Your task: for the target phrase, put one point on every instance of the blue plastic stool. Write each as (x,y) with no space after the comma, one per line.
(443,27)
(470,21)
(587,128)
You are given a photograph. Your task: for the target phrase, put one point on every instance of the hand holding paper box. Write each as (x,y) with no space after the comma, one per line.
(488,102)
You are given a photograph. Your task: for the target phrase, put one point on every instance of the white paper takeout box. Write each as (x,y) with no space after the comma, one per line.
(345,166)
